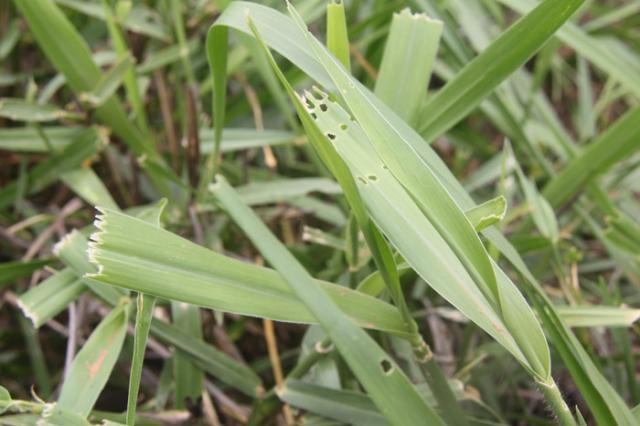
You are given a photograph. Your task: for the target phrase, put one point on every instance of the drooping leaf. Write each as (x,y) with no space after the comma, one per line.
(386,384)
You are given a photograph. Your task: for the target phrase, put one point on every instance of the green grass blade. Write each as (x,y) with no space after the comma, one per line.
(12,271)
(188,377)
(50,297)
(606,405)
(624,233)
(337,35)
(598,316)
(27,139)
(144,316)
(619,67)
(83,147)
(21,110)
(129,77)
(488,213)
(73,251)
(345,406)
(93,364)
(69,53)
(236,139)
(88,186)
(387,385)
(399,156)
(485,72)
(617,143)
(277,191)
(212,280)
(541,211)
(210,359)
(405,71)
(9,39)
(140,19)
(37,358)
(415,237)
(109,82)
(378,246)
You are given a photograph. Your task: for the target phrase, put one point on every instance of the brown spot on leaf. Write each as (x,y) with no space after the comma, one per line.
(94,367)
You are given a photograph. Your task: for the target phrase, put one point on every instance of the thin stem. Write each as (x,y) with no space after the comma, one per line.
(450,408)
(182,42)
(274,357)
(144,313)
(557,403)
(130,83)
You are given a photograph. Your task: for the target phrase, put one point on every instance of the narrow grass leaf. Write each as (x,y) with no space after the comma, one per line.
(22,110)
(395,211)
(28,139)
(88,186)
(541,211)
(383,380)
(73,251)
(337,35)
(624,233)
(617,143)
(345,406)
(619,67)
(407,62)
(604,402)
(140,19)
(93,364)
(491,67)
(188,377)
(132,254)
(322,146)
(82,148)
(12,271)
(108,83)
(276,191)
(236,139)
(9,39)
(414,174)
(51,296)
(488,213)
(598,316)
(209,358)
(69,53)
(144,316)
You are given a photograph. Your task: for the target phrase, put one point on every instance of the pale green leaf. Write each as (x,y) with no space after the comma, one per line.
(383,380)
(93,364)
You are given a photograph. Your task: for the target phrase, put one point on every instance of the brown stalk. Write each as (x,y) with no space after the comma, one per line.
(165,109)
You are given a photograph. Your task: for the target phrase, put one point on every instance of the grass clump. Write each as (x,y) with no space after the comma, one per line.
(211,214)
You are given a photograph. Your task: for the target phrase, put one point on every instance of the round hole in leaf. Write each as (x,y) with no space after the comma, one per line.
(387,367)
